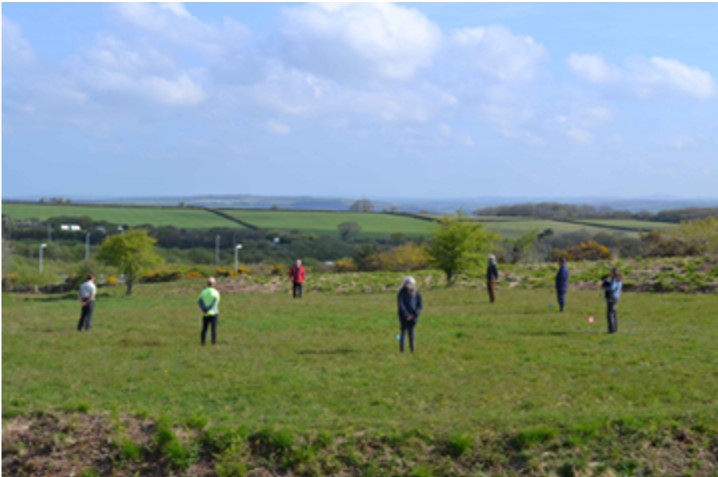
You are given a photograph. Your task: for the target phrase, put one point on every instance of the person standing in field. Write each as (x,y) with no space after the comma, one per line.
(492,275)
(297,274)
(87,293)
(612,286)
(209,304)
(410,306)
(562,283)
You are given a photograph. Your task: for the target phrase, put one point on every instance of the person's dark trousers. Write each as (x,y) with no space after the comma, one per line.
(612,315)
(297,290)
(561,295)
(86,316)
(491,287)
(407,327)
(208,321)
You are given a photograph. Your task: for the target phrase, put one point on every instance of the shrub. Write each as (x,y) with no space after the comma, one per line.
(223,272)
(193,274)
(405,257)
(345,265)
(589,250)
(112,280)
(9,280)
(278,269)
(159,276)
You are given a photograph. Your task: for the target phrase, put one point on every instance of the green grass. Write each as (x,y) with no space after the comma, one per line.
(157,216)
(513,228)
(330,361)
(320,222)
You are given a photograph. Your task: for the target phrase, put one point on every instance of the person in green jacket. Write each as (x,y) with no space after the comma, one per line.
(209,304)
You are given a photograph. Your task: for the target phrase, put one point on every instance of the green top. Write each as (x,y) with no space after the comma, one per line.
(209,301)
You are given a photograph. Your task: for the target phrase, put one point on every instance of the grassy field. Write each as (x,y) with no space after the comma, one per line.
(319,222)
(513,228)
(177,217)
(372,224)
(330,362)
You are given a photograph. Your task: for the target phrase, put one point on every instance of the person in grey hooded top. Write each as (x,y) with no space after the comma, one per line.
(410,306)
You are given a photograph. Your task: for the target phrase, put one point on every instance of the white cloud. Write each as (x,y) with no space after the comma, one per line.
(275,127)
(295,92)
(645,77)
(15,48)
(661,73)
(497,51)
(592,68)
(359,40)
(115,67)
(577,123)
(173,23)
(179,91)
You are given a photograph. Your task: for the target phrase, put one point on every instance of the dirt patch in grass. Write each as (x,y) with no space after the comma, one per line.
(87,445)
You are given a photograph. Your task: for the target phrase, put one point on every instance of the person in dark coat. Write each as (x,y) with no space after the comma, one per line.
(410,306)
(562,283)
(612,286)
(492,275)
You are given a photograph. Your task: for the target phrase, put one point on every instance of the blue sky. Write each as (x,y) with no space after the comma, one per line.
(433,100)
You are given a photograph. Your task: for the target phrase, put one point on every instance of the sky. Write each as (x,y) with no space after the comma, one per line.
(370,100)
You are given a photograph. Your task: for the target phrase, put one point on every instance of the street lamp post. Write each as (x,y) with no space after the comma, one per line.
(236,257)
(42,248)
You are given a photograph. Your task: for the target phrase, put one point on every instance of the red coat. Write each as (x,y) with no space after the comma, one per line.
(297,274)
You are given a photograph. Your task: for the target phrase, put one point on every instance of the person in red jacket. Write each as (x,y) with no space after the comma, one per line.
(298,275)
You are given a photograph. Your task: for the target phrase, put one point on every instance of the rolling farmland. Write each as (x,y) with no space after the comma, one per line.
(317,222)
(323,222)
(132,216)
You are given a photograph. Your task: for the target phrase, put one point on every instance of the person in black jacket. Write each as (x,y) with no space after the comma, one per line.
(410,305)
(562,282)
(492,274)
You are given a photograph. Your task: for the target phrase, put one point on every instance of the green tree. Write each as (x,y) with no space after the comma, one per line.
(130,252)
(458,245)
(700,235)
(519,247)
(348,230)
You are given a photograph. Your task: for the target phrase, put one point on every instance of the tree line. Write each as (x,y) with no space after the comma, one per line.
(558,211)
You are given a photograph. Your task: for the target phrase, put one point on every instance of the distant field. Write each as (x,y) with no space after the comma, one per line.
(157,216)
(514,226)
(320,222)
(518,227)
(373,224)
